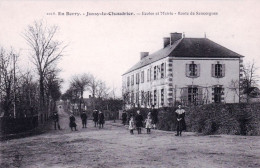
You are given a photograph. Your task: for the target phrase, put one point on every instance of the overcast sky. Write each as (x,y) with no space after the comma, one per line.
(107,46)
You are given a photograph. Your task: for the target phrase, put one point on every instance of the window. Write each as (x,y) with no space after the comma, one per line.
(148,98)
(192,70)
(137,98)
(162,97)
(191,95)
(132,80)
(142,77)
(218,70)
(132,97)
(154,97)
(218,91)
(128,81)
(154,73)
(137,78)
(142,98)
(148,75)
(162,70)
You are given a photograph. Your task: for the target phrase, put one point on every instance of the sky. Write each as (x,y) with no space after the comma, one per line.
(107,46)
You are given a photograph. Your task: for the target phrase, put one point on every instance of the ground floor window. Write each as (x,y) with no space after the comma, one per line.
(193,95)
(155,97)
(162,97)
(217,94)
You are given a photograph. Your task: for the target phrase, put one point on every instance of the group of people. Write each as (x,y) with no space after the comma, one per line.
(138,121)
(98,118)
(152,119)
(135,122)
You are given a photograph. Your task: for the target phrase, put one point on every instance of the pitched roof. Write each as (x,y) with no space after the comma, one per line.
(188,47)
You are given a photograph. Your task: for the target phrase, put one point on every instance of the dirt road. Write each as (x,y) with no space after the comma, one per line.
(113,146)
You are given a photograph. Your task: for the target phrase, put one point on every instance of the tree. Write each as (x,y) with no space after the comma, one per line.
(250,77)
(7,80)
(45,50)
(79,84)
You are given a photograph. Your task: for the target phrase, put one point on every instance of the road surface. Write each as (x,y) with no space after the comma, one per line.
(113,147)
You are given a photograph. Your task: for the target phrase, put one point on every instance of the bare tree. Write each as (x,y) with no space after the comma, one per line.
(250,77)
(46,51)
(102,90)
(7,79)
(79,84)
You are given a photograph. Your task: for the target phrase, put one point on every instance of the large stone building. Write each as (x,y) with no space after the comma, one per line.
(185,70)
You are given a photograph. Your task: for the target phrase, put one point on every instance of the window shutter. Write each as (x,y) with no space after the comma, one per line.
(185,95)
(198,70)
(213,70)
(165,70)
(200,96)
(223,70)
(187,70)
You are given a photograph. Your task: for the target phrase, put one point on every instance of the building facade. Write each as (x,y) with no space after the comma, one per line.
(186,70)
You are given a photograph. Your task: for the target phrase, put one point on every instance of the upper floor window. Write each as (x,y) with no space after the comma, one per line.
(192,70)
(148,75)
(142,77)
(155,73)
(162,70)
(128,81)
(132,80)
(218,70)
(137,78)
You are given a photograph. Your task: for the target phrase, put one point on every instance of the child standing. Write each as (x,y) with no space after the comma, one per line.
(131,125)
(148,124)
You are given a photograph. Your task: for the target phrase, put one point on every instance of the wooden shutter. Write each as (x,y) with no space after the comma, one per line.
(184,95)
(187,70)
(223,70)
(222,94)
(200,95)
(198,70)
(213,70)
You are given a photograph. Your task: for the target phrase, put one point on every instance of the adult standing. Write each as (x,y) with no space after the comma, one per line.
(56,120)
(95,117)
(73,122)
(101,119)
(84,119)
(154,115)
(139,122)
(124,117)
(181,125)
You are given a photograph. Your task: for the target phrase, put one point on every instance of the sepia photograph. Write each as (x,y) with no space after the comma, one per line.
(129,84)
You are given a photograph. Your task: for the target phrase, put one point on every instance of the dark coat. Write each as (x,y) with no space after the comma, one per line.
(101,118)
(72,121)
(84,116)
(95,116)
(55,117)
(139,120)
(154,115)
(124,116)
(181,123)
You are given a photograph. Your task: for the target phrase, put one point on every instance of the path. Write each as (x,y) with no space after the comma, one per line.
(113,147)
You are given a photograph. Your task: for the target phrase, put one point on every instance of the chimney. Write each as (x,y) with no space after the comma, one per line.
(144,54)
(175,36)
(166,41)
